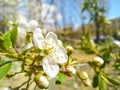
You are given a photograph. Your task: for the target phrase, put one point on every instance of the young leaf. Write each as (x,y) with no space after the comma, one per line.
(14,35)
(95,81)
(102,84)
(106,55)
(111,81)
(7,40)
(60,78)
(4,69)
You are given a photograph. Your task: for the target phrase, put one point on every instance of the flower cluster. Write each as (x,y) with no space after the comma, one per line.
(50,42)
(54,55)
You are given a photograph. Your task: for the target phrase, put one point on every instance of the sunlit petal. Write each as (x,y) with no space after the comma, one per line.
(50,66)
(38,40)
(59,54)
(38,30)
(59,42)
(51,40)
(33,23)
(32,26)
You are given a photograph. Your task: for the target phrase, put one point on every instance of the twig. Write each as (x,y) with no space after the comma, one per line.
(22,84)
(35,87)
(32,68)
(16,50)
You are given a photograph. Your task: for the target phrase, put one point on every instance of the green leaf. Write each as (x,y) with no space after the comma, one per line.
(1,38)
(111,81)
(95,81)
(60,78)
(102,84)
(4,69)
(14,35)
(2,48)
(7,40)
(106,55)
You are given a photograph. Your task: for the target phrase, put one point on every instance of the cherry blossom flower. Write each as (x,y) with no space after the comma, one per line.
(56,57)
(23,28)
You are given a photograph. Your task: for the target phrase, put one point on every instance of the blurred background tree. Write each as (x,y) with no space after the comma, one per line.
(72,17)
(97,11)
(8,12)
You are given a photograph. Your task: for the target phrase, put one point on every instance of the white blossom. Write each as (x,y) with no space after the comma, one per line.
(56,57)
(23,28)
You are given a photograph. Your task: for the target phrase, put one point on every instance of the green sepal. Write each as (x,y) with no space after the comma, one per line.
(60,78)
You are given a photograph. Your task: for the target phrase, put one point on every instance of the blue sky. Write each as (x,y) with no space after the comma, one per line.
(71,7)
(114,10)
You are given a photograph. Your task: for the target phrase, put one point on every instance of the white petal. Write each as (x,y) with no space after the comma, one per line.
(21,32)
(23,24)
(38,30)
(50,66)
(32,26)
(59,54)
(21,35)
(33,23)
(29,45)
(38,40)
(51,40)
(59,42)
(116,42)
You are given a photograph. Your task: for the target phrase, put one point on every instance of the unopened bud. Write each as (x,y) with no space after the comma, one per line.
(71,70)
(87,82)
(41,81)
(69,49)
(83,75)
(10,74)
(98,61)
(28,61)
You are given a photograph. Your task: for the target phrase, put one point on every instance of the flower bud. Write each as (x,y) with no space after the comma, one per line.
(71,70)
(10,74)
(69,49)
(83,75)
(87,82)
(98,61)
(28,61)
(41,81)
